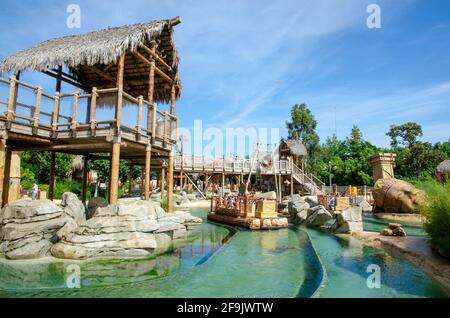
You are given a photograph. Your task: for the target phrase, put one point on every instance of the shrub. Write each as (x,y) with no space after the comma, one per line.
(437,213)
(164,204)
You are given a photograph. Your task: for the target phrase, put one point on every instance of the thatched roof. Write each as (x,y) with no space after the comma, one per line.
(102,50)
(296,147)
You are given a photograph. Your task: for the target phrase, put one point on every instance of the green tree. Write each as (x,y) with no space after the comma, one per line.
(303,127)
(405,134)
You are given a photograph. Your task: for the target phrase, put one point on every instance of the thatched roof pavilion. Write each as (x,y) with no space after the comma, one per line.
(92,58)
(134,65)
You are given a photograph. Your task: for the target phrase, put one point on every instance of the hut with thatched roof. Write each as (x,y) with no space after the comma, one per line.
(133,66)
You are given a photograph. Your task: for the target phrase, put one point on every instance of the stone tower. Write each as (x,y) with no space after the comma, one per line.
(383,165)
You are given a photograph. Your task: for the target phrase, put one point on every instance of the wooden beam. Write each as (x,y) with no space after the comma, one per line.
(163,177)
(170,183)
(175,21)
(151,86)
(6,175)
(148,155)
(119,85)
(2,168)
(114,174)
(66,147)
(157,70)
(153,53)
(68,81)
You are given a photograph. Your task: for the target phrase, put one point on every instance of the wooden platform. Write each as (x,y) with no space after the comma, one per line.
(250,223)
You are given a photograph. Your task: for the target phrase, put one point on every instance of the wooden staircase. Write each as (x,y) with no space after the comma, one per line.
(311,184)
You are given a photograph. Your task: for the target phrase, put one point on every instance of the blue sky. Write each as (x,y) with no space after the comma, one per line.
(245,63)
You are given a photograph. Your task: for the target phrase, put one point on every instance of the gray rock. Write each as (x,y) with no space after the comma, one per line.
(297,209)
(25,208)
(73,207)
(186,217)
(32,250)
(318,216)
(349,220)
(365,206)
(168,226)
(93,204)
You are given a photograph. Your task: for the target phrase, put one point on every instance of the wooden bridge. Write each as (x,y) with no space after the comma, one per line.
(243,167)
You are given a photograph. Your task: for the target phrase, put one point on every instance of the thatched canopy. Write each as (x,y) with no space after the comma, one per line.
(294,147)
(86,54)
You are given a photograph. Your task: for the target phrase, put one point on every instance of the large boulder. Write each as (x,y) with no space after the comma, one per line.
(443,171)
(349,220)
(73,207)
(131,228)
(298,209)
(318,216)
(397,196)
(93,204)
(28,226)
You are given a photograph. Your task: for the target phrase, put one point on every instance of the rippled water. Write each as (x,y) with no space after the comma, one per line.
(374,224)
(293,262)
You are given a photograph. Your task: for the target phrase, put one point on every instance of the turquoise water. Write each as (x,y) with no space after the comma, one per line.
(374,224)
(216,262)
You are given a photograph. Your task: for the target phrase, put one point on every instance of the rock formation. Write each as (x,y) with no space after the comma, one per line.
(394,229)
(349,220)
(443,171)
(132,228)
(397,196)
(27,227)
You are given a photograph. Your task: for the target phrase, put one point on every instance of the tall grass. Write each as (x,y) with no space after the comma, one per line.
(437,213)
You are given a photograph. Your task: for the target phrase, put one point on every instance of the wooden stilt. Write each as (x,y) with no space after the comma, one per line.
(163,180)
(148,156)
(7,172)
(114,173)
(2,167)
(51,179)
(85,180)
(170,182)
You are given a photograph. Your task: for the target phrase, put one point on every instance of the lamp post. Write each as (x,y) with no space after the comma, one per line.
(331,167)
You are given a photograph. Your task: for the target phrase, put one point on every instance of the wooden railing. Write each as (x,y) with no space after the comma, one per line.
(237,165)
(158,124)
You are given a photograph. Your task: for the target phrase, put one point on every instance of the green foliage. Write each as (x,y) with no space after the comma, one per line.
(68,186)
(38,162)
(437,213)
(407,133)
(27,178)
(346,160)
(303,127)
(164,204)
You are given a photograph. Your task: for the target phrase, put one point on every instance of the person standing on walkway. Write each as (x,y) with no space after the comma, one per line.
(34,191)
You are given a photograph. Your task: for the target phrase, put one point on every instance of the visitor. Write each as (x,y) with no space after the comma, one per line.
(34,191)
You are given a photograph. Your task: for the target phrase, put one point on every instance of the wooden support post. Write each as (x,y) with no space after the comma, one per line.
(2,168)
(51,179)
(55,113)
(165,129)
(172,111)
(148,156)
(11,98)
(170,182)
(85,180)
(114,173)
(74,112)
(120,69)
(163,177)
(38,107)
(151,106)
(93,110)
(130,178)
(6,175)
(139,119)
